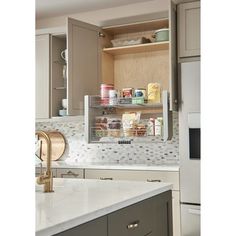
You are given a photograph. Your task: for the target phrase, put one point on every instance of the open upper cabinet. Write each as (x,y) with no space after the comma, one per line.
(72,78)
(93,60)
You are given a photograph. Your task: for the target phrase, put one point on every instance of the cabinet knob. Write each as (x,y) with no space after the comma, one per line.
(133,225)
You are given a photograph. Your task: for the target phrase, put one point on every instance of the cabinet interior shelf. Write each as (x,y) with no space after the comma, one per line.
(147,47)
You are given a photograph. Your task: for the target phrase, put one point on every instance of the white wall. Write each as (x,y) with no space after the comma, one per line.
(100,16)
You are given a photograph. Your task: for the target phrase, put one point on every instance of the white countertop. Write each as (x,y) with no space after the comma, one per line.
(77,201)
(118,166)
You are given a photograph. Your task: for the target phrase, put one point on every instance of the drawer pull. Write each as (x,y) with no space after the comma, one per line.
(194,211)
(133,225)
(153,180)
(69,172)
(104,178)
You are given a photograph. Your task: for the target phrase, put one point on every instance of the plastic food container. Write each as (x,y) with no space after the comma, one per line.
(126,42)
(161,35)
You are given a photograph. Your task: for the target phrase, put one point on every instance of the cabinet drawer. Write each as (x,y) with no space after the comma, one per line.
(149,217)
(70,173)
(150,176)
(138,220)
(37,171)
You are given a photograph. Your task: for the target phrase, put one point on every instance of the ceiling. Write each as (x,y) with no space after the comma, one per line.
(52,8)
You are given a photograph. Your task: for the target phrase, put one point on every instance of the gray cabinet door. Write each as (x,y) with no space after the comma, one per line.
(150,217)
(189,29)
(173,57)
(42,82)
(96,227)
(83,44)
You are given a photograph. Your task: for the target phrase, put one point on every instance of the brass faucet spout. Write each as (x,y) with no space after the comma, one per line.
(47,177)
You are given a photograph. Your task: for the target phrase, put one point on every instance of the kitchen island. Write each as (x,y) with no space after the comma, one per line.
(107,208)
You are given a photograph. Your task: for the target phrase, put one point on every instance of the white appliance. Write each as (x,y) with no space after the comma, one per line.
(189,148)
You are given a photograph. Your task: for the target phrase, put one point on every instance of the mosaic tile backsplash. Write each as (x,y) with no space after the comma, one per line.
(79,151)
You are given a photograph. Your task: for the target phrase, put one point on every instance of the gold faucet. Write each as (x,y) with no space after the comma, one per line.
(46,178)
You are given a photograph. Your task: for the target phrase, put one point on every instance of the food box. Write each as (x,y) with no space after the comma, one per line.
(138,100)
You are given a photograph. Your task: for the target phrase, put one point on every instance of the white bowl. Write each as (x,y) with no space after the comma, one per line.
(62,112)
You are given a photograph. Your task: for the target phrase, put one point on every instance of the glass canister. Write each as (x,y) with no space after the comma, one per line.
(105,93)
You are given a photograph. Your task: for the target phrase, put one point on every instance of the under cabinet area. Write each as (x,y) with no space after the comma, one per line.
(188,29)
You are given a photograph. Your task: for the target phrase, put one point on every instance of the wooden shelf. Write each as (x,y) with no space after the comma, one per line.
(148,47)
(137,27)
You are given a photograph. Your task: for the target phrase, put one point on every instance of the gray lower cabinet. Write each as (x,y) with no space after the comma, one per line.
(96,227)
(151,217)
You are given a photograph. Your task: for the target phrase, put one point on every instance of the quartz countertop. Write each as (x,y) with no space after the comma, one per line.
(114,166)
(77,201)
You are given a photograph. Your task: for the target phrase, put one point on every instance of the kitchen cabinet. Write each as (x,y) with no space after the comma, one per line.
(188,15)
(131,65)
(149,176)
(92,60)
(71,79)
(136,175)
(42,76)
(96,227)
(137,65)
(38,171)
(149,217)
(70,173)
(152,217)
(63,172)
